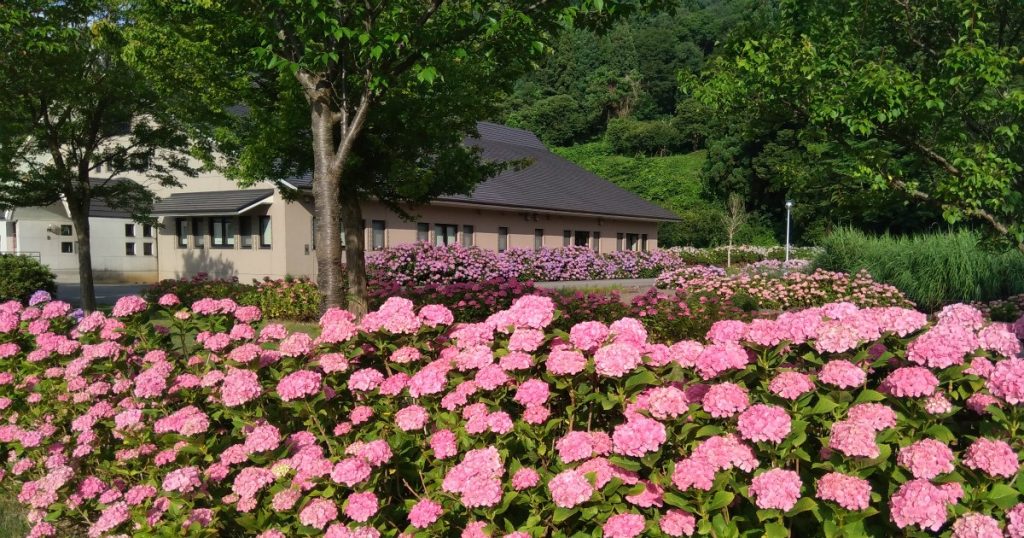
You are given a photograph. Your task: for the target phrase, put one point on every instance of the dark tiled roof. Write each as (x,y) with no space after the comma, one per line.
(210,203)
(548,182)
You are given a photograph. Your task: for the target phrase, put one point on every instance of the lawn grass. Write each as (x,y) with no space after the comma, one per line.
(12,515)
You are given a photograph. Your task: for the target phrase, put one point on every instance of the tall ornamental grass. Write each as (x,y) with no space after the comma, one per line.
(932,270)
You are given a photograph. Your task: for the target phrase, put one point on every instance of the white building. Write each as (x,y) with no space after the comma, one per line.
(122,250)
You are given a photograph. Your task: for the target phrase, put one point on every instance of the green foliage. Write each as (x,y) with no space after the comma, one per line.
(22,276)
(557,120)
(672,181)
(627,136)
(294,299)
(627,72)
(872,104)
(933,269)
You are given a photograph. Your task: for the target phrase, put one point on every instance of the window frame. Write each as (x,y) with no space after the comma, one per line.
(620,241)
(643,242)
(70,245)
(263,230)
(69,228)
(147,230)
(595,241)
(468,235)
(576,235)
(422,232)
(538,238)
(378,227)
(566,238)
(129,248)
(245,232)
(198,234)
(226,224)
(441,234)
(129,229)
(181,232)
(502,238)
(147,249)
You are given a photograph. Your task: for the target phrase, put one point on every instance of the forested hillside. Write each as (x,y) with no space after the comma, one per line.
(766,100)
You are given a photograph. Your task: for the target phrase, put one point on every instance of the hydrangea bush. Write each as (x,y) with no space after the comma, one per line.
(782,291)
(831,421)
(423,263)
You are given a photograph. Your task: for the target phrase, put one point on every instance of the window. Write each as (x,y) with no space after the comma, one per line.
(566,237)
(377,235)
(245,232)
(65,230)
(444,234)
(643,242)
(67,247)
(597,241)
(266,232)
(222,232)
(147,249)
(198,238)
(181,232)
(129,230)
(581,239)
(129,249)
(618,241)
(467,235)
(631,241)
(147,230)
(502,238)
(538,238)
(422,232)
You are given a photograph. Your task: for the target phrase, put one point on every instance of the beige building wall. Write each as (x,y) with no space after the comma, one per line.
(292,251)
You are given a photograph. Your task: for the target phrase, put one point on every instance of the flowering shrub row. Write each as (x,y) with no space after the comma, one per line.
(782,291)
(422,263)
(282,299)
(824,422)
(741,254)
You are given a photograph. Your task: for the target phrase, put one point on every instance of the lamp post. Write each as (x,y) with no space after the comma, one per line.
(789,208)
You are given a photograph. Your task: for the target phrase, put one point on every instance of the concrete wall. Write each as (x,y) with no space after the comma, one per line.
(43,236)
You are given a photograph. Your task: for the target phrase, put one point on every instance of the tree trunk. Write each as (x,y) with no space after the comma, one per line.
(326,186)
(80,218)
(355,260)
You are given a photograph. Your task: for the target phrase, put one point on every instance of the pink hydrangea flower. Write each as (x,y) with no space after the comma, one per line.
(616,360)
(638,436)
(776,488)
(921,503)
(298,385)
(318,513)
(677,523)
(525,478)
(991,456)
(1006,381)
(239,387)
(725,400)
(570,489)
(910,381)
(764,423)
(843,374)
(413,417)
(623,526)
(424,513)
(849,492)
(975,525)
(361,506)
(926,458)
(790,385)
(129,305)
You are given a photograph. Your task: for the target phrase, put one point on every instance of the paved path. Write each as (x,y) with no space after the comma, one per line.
(107,294)
(628,288)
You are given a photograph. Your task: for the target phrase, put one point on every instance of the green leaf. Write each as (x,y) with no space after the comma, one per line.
(643,378)
(868,395)
(721,500)
(776,530)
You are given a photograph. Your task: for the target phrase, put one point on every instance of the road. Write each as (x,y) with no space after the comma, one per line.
(107,294)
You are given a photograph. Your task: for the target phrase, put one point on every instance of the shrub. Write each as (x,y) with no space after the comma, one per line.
(628,136)
(422,263)
(288,298)
(190,290)
(741,254)
(933,270)
(833,420)
(770,290)
(558,120)
(22,276)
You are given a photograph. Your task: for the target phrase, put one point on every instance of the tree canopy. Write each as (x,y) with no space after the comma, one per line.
(869,108)
(75,113)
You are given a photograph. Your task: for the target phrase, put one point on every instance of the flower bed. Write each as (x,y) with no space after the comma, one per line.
(828,421)
(741,254)
(422,263)
(773,291)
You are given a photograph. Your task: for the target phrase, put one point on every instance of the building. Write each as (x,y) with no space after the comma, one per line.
(122,250)
(213,226)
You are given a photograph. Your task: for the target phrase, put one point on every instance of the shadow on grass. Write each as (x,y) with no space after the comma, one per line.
(12,515)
